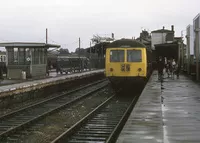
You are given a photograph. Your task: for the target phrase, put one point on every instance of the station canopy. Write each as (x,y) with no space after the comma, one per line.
(169,50)
(28,44)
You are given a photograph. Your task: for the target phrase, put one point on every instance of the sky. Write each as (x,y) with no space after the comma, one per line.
(67,20)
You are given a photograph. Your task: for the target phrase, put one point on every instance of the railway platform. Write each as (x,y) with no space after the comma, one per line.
(167,112)
(17,88)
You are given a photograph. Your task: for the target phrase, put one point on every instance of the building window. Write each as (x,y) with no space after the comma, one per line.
(16,56)
(45,56)
(28,56)
(21,56)
(41,56)
(10,56)
(36,56)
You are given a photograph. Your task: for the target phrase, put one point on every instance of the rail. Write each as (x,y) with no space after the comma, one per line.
(21,118)
(103,124)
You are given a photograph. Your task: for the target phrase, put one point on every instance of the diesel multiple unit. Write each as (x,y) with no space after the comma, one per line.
(128,62)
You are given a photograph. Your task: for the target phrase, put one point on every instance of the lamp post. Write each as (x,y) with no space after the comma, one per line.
(79,53)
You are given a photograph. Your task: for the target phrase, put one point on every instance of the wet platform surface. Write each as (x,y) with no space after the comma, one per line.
(6,90)
(165,113)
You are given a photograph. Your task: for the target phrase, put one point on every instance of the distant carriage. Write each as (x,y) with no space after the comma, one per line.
(3,68)
(71,64)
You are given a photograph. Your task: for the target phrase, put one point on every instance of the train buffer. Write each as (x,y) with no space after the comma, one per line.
(167,112)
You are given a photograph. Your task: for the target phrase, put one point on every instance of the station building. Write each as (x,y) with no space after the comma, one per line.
(28,58)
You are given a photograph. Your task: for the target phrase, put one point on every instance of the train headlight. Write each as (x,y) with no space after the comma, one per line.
(111,69)
(139,69)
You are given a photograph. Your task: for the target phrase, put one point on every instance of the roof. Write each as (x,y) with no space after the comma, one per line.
(166,44)
(28,44)
(70,57)
(162,31)
(126,43)
(97,47)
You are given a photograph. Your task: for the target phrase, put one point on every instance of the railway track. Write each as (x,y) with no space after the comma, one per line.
(103,124)
(22,118)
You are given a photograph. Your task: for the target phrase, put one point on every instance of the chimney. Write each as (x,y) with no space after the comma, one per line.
(172,28)
(113,35)
(46,35)
(163,27)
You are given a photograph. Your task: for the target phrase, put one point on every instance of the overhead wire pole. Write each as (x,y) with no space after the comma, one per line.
(46,35)
(48,66)
(79,53)
(102,55)
(90,56)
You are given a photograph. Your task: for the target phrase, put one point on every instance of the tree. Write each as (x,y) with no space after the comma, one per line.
(64,51)
(82,51)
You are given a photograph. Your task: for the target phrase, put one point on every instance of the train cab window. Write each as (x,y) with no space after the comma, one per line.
(134,56)
(117,56)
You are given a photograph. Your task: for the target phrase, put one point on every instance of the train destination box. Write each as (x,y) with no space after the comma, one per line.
(28,58)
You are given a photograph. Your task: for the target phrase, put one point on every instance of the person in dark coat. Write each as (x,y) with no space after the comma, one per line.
(177,70)
(160,67)
(1,72)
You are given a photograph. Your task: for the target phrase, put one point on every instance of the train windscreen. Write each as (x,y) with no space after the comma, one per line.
(134,56)
(117,56)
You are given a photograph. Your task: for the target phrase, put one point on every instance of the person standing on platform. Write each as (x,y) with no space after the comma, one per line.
(165,66)
(160,66)
(177,70)
(1,73)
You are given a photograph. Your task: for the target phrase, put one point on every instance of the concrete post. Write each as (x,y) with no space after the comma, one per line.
(188,55)
(197,54)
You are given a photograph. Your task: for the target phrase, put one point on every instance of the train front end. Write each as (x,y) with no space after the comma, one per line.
(126,66)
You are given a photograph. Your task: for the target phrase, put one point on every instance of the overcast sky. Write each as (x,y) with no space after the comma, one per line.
(66,20)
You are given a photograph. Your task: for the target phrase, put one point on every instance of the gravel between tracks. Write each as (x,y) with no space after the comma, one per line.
(52,126)
(32,101)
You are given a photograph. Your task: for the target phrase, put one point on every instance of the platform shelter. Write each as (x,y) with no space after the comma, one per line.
(26,58)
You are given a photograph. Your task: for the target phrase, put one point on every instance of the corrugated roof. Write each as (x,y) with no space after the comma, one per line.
(125,42)
(167,44)
(162,31)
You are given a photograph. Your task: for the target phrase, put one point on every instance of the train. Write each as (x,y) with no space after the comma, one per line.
(128,63)
(67,64)
(3,68)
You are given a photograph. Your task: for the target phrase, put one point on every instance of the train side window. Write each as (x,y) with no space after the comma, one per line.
(134,56)
(117,56)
